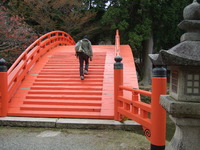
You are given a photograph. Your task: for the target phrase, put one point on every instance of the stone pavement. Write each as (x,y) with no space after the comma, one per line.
(68,123)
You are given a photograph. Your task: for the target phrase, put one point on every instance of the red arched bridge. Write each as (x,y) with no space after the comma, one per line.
(44,82)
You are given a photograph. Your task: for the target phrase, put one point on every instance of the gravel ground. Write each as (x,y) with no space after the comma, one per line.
(18,138)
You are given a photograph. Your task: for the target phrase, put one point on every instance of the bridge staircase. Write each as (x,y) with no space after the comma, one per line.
(52,86)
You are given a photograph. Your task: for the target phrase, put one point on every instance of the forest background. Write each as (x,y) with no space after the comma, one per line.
(146,25)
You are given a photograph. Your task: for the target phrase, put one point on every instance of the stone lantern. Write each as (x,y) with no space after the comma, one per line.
(183,101)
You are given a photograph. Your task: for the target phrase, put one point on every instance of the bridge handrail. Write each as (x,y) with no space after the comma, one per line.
(145,108)
(138,91)
(117,43)
(151,116)
(42,40)
(31,55)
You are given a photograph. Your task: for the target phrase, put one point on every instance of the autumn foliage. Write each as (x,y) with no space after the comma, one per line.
(22,22)
(15,36)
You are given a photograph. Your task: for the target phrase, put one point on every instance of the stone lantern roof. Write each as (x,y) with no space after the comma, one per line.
(186,53)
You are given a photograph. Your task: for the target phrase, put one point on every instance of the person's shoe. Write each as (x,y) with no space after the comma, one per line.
(82,77)
(85,72)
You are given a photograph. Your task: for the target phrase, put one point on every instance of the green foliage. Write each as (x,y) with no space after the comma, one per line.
(116,18)
(136,39)
(140,33)
(166,21)
(139,18)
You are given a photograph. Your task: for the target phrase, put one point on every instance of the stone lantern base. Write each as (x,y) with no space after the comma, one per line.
(187,134)
(186,116)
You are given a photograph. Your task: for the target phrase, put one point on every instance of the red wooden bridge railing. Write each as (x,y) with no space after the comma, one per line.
(151,116)
(117,43)
(11,79)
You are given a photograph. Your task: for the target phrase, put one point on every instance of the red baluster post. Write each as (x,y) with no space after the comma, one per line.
(118,80)
(117,43)
(158,113)
(3,88)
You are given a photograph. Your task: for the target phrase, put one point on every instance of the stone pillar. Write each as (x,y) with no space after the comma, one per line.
(186,116)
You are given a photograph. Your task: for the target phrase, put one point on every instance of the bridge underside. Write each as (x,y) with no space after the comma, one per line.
(53,87)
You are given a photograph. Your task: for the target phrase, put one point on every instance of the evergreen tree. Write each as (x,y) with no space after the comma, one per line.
(146,25)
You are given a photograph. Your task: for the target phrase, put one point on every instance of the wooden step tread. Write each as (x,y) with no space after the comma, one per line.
(63,102)
(67,80)
(60,108)
(64,114)
(70,70)
(70,64)
(66,92)
(74,97)
(96,88)
(71,67)
(70,83)
(68,76)
(69,73)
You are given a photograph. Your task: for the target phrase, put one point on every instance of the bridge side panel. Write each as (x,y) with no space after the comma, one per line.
(129,66)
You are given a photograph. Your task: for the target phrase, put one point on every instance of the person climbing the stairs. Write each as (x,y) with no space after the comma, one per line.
(84,52)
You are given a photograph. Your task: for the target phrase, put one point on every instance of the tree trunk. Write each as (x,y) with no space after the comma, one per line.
(147,65)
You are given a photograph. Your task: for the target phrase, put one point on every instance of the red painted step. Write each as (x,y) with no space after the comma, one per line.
(63,102)
(67,97)
(60,108)
(95,88)
(65,92)
(69,83)
(62,114)
(67,76)
(69,73)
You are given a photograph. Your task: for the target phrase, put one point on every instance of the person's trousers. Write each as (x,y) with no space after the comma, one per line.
(83,58)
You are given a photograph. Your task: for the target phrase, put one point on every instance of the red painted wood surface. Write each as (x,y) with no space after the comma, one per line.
(12,79)
(53,87)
